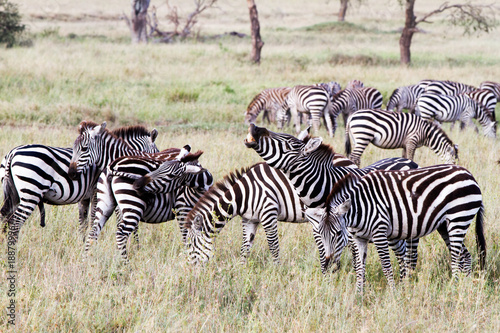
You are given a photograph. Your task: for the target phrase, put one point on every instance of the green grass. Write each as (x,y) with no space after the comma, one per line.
(196,92)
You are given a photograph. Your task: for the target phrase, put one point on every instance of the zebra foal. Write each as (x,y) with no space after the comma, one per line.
(390,130)
(400,205)
(269,101)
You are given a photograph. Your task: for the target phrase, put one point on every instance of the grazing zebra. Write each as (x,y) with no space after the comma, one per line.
(400,205)
(390,130)
(447,88)
(349,101)
(445,108)
(270,101)
(259,194)
(494,87)
(405,98)
(121,186)
(309,164)
(486,98)
(312,100)
(36,174)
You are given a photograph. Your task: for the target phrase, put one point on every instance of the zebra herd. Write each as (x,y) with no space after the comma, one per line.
(431,100)
(391,203)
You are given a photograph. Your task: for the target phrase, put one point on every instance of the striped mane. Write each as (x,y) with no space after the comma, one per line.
(131,131)
(87,125)
(255,100)
(340,189)
(394,93)
(215,192)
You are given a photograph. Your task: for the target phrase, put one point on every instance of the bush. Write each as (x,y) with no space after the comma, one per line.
(10,23)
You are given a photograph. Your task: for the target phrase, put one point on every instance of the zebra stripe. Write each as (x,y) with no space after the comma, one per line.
(183,183)
(38,174)
(448,88)
(259,194)
(389,130)
(446,108)
(312,100)
(401,205)
(349,101)
(494,87)
(486,98)
(270,101)
(405,98)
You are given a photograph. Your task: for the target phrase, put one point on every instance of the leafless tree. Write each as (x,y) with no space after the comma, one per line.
(343,10)
(257,42)
(471,17)
(138,21)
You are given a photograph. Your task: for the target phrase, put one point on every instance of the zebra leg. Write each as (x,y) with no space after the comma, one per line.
(124,229)
(456,233)
(21,214)
(411,253)
(83,213)
(270,225)
(249,232)
(465,263)
(361,249)
(382,244)
(104,208)
(399,248)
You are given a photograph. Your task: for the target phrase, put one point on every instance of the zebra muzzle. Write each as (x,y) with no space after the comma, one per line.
(72,171)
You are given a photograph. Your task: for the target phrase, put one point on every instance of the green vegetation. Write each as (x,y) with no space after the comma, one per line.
(83,68)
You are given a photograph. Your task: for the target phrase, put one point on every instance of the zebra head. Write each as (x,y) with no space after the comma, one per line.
(281,150)
(329,232)
(172,174)
(451,154)
(394,99)
(86,148)
(199,241)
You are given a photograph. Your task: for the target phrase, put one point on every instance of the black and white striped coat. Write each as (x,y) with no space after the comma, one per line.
(400,205)
(349,101)
(36,174)
(121,186)
(486,98)
(405,97)
(390,130)
(447,108)
(270,101)
(312,100)
(447,87)
(494,87)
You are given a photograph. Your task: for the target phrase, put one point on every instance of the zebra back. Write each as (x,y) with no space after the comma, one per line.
(448,88)
(494,87)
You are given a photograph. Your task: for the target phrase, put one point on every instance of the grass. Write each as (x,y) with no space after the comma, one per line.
(196,92)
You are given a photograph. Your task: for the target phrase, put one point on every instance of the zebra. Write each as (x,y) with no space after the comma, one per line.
(270,101)
(405,97)
(390,130)
(349,101)
(446,108)
(309,164)
(447,88)
(312,100)
(123,186)
(400,205)
(36,174)
(494,87)
(486,98)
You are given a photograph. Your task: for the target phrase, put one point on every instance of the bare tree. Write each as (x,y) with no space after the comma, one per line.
(257,42)
(343,10)
(470,17)
(138,22)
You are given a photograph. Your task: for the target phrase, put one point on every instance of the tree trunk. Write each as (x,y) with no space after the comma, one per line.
(407,34)
(139,21)
(343,10)
(257,42)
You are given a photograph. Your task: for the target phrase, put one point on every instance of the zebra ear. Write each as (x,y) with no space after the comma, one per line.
(304,134)
(344,207)
(314,216)
(194,169)
(98,129)
(184,151)
(312,145)
(154,134)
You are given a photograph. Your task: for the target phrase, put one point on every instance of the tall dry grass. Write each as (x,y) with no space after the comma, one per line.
(196,92)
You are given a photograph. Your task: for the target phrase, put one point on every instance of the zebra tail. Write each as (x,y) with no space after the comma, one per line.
(347,144)
(10,195)
(480,240)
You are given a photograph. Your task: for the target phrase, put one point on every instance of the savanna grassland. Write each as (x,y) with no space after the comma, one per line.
(82,67)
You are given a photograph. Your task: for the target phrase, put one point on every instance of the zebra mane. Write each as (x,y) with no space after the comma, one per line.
(85,125)
(254,100)
(340,189)
(394,92)
(216,191)
(130,131)
(436,128)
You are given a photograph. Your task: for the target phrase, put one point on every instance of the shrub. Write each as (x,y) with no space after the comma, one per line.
(10,23)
